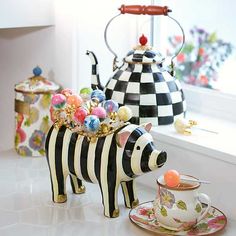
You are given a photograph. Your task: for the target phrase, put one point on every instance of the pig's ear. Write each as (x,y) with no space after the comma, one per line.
(122,137)
(147,126)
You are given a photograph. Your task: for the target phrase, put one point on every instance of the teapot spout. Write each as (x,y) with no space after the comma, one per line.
(95,80)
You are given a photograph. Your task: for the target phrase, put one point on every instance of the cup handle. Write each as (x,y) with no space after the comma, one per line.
(208,202)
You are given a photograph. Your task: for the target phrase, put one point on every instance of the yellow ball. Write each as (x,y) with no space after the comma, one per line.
(124,113)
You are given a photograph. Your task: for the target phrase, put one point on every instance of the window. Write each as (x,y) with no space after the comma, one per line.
(214,19)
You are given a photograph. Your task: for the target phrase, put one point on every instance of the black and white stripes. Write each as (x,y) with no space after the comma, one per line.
(104,161)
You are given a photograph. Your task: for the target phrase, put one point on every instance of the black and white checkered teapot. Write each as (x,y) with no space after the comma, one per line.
(142,82)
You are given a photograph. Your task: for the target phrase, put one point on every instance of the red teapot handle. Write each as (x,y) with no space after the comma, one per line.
(143,10)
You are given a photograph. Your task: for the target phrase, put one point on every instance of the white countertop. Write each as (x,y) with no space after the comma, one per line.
(26,207)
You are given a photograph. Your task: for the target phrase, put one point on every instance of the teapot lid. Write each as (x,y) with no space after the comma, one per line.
(144,54)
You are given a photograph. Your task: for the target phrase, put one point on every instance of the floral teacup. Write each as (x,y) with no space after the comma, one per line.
(179,208)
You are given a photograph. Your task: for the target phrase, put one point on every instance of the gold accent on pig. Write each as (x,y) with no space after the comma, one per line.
(115,213)
(80,190)
(60,198)
(135,203)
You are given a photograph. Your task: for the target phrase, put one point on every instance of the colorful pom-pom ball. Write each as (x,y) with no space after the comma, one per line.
(98,95)
(85,93)
(110,106)
(66,92)
(74,100)
(91,123)
(80,115)
(58,101)
(124,113)
(37,71)
(100,112)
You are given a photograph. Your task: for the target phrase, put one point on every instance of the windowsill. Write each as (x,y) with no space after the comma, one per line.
(219,146)
(210,102)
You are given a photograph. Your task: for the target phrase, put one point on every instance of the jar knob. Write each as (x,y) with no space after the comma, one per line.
(37,71)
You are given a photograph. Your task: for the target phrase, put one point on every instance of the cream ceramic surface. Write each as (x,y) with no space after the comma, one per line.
(180,209)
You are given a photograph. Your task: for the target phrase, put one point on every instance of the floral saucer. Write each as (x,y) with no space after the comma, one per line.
(143,216)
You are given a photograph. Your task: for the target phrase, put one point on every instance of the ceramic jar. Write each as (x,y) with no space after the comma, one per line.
(32,113)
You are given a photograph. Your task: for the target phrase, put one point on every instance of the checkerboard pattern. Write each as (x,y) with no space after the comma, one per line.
(152,93)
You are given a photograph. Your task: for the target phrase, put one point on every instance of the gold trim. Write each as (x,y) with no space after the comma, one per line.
(22,107)
(142,47)
(135,203)
(80,190)
(197,185)
(61,198)
(115,213)
(91,137)
(37,92)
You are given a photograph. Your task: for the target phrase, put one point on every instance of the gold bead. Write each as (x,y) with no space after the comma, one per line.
(105,128)
(93,139)
(113,115)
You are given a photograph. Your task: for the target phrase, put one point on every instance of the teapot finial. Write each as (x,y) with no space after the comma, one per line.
(143,40)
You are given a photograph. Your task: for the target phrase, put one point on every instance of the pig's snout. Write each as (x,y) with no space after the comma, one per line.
(157,159)
(161,159)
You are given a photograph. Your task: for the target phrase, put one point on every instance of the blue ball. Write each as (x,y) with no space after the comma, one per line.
(91,123)
(110,106)
(98,94)
(37,71)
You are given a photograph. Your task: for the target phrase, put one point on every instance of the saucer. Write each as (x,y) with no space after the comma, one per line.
(143,216)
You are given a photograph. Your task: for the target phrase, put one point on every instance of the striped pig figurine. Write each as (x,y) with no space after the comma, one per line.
(109,161)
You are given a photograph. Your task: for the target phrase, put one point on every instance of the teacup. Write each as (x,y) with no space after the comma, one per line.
(179,208)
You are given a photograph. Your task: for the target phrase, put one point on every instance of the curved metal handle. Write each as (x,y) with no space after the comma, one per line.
(181,47)
(144,10)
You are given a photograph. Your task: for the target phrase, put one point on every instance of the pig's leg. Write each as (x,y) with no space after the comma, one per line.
(129,192)
(76,185)
(109,192)
(54,157)
(58,181)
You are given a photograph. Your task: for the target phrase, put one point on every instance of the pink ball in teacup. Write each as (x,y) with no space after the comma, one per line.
(74,100)
(100,112)
(58,101)
(66,92)
(80,115)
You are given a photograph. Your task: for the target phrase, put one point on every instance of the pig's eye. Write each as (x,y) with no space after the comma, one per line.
(138,147)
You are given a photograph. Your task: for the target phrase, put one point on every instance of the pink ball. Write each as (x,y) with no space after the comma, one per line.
(66,92)
(80,115)
(58,101)
(74,100)
(100,112)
